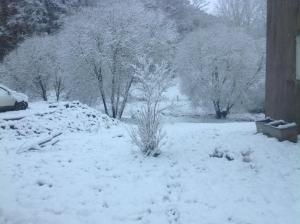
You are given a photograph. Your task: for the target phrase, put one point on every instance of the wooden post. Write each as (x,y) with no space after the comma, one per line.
(282,87)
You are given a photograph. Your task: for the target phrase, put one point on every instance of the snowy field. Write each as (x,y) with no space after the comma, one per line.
(178,108)
(95,175)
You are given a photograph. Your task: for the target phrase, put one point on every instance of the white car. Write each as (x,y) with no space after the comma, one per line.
(12,100)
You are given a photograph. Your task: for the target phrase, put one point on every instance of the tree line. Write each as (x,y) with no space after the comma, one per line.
(93,53)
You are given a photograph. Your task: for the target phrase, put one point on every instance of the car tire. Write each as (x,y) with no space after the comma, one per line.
(21,106)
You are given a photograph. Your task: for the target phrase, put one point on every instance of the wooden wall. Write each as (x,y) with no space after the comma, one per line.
(282,88)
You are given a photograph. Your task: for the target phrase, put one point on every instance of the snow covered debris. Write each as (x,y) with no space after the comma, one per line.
(287,125)
(47,118)
(276,122)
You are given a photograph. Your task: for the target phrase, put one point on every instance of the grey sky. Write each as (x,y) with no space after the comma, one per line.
(211,6)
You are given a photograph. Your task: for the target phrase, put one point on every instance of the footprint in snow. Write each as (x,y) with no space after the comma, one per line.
(173,215)
(166,198)
(108,169)
(105,205)
(42,183)
(174,185)
(191,201)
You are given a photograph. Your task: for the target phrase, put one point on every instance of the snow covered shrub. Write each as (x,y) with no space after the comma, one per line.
(153,80)
(32,67)
(148,135)
(218,67)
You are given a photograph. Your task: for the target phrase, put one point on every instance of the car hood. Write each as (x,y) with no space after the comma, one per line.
(19,97)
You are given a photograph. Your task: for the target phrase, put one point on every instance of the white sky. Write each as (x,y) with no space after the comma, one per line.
(211,6)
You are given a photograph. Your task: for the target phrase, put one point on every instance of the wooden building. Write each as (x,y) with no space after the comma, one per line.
(283,60)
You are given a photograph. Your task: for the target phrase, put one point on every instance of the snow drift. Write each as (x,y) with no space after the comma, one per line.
(53,117)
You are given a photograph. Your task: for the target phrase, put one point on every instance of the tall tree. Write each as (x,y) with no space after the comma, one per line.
(116,35)
(249,14)
(218,66)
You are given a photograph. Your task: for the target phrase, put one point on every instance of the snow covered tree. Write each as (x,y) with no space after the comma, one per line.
(187,15)
(23,18)
(218,66)
(249,14)
(152,81)
(32,66)
(105,40)
(58,85)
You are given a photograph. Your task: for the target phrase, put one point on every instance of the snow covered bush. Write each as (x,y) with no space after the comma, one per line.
(100,53)
(153,80)
(218,66)
(148,135)
(31,68)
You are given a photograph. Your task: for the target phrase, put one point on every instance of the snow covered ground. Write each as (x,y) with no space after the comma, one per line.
(95,175)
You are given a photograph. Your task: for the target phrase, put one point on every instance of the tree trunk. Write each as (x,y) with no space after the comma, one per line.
(58,87)
(44,95)
(220,114)
(112,97)
(99,76)
(113,83)
(124,102)
(57,96)
(118,97)
(104,100)
(43,90)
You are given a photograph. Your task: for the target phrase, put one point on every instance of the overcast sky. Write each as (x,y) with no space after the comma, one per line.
(211,6)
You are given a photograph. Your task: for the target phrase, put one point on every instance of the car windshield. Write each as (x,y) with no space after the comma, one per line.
(6,89)
(2,91)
